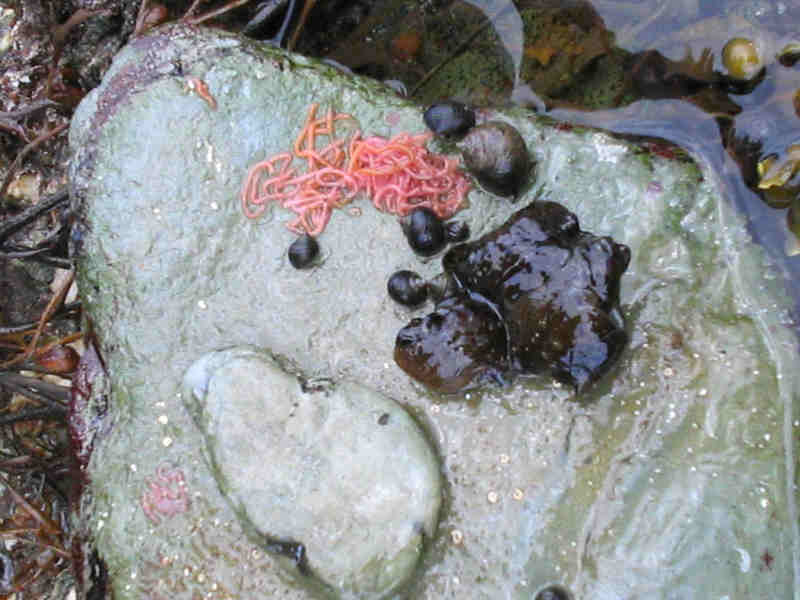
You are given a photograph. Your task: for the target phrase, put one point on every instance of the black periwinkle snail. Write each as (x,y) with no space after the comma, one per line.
(440,286)
(456,231)
(553,592)
(303,251)
(536,295)
(407,288)
(449,119)
(424,231)
(496,155)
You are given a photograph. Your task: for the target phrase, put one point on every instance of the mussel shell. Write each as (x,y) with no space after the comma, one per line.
(497,157)
(449,119)
(407,288)
(425,231)
(303,251)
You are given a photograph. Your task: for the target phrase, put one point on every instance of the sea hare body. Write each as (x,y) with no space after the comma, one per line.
(549,289)
(460,344)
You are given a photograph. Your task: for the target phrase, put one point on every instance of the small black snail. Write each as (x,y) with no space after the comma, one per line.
(407,288)
(424,231)
(496,155)
(456,231)
(303,251)
(553,592)
(449,119)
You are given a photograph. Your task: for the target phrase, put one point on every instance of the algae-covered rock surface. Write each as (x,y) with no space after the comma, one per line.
(673,477)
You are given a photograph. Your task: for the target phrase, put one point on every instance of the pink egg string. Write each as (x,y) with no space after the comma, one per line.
(399,174)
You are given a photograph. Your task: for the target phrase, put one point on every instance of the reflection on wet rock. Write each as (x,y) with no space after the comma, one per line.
(537,295)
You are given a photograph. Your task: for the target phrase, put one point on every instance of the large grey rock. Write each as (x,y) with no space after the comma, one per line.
(341,469)
(674,479)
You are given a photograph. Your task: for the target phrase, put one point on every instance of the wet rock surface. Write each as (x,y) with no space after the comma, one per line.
(351,487)
(547,297)
(686,454)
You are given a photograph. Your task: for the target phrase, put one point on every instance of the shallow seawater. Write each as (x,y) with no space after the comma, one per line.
(592,63)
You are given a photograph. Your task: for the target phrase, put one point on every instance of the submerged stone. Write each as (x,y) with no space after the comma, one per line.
(550,298)
(339,478)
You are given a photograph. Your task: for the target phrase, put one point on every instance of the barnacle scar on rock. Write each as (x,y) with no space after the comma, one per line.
(398,174)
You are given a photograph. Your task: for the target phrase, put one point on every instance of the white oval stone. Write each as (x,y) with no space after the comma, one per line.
(342,470)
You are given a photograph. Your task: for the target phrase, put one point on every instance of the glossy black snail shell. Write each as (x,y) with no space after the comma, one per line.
(424,231)
(496,155)
(449,119)
(456,231)
(407,288)
(303,251)
(553,592)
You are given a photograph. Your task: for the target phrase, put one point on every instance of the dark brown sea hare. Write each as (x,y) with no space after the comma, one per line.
(460,344)
(537,295)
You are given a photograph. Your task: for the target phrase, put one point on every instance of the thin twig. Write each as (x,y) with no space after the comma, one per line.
(35,414)
(67,339)
(55,396)
(49,310)
(137,29)
(461,47)
(47,524)
(13,224)
(65,310)
(60,33)
(278,38)
(33,107)
(46,245)
(8,120)
(38,141)
(307,6)
(212,13)
(188,14)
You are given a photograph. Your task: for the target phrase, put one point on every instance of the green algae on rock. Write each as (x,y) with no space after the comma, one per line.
(687,454)
(339,475)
